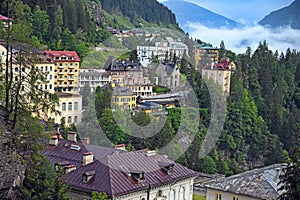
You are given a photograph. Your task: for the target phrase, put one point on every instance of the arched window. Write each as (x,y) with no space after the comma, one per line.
(69,120)
(70,106)
(172,195)
(181,193)
(76,106)
(63,106)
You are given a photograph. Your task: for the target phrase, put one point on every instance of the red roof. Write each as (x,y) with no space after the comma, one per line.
(64,53)
(3,18)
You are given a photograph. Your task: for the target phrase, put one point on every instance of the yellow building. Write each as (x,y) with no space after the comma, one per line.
(205,54)
(66,72)
(123,98)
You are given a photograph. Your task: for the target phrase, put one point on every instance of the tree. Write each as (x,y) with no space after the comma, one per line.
(100,196)
(40,23)
(290,180)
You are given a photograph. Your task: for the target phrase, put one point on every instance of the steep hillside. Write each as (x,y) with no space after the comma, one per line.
(288,16)
(188,12)
(150,11)
(11,166)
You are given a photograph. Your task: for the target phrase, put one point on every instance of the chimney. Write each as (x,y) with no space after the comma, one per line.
(54,140)
(88,158)
(86,140)
(69,168)
(120,147)
(150,153)
(59,136)
(72,136)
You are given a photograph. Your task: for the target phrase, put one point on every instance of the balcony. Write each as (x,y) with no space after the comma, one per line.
(61,73)
(60,67)
(71,79)
(71,67)
(71,73)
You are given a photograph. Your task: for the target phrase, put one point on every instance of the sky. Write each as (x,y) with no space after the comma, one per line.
(249,13)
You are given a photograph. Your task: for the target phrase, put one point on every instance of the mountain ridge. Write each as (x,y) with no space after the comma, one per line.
(183,10)
(287,16)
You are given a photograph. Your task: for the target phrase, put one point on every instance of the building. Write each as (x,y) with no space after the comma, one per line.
(93,78)
(147,52)
(123,98)
(70,109)
(126,72)
(6,22)
(167,75)
(142,90)
(177,48)
(122,175)
(66,72)
(205,54)
(219,73)
(257,184)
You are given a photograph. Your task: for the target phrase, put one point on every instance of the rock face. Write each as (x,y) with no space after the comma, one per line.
(12,170)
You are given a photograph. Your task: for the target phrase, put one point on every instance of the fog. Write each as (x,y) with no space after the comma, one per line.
(239,39)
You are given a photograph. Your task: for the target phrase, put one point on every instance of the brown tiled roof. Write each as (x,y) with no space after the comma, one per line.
(111,176)
(258,183)
(112,167)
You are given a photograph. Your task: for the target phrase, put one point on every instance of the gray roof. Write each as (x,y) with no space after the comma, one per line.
(259,183)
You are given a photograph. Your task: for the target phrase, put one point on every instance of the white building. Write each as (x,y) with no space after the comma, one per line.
(93,78)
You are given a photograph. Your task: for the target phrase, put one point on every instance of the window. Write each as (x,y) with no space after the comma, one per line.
(16,69)
(75,119)
(69,120)
(235,198)
(70,106)
(181,193)
(64,106)
(218,196)
(172,195)
(76,106)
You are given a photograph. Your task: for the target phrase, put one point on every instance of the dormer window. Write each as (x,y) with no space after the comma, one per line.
(138,175)
(167,167)
(87,176)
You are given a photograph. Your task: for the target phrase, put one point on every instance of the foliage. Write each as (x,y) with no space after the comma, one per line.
(290,180)
(160,89)
(100,196)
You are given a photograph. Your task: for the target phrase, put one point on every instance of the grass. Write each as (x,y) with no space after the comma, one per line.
(198,197)
(97,59)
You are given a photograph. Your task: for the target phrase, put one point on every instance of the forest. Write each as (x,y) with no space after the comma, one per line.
(262,114)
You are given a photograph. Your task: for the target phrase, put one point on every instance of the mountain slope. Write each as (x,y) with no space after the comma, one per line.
(287,16)
(188,12)
(151,11)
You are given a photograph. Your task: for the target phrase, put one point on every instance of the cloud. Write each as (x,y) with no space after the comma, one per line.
(239,39)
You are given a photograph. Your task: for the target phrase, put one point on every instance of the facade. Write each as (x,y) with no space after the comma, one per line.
(142,90)
(70,108)
(122,175)
(177,48)
(219,73)
(168,75)
(205,54)
(257,184)
(93,78)
(66,72)
(146,53)
(123,98)
(126,72)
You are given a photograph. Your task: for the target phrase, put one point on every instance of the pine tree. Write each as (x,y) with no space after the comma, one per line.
(290,180)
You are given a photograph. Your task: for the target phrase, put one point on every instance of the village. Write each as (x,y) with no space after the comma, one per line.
(151,84)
